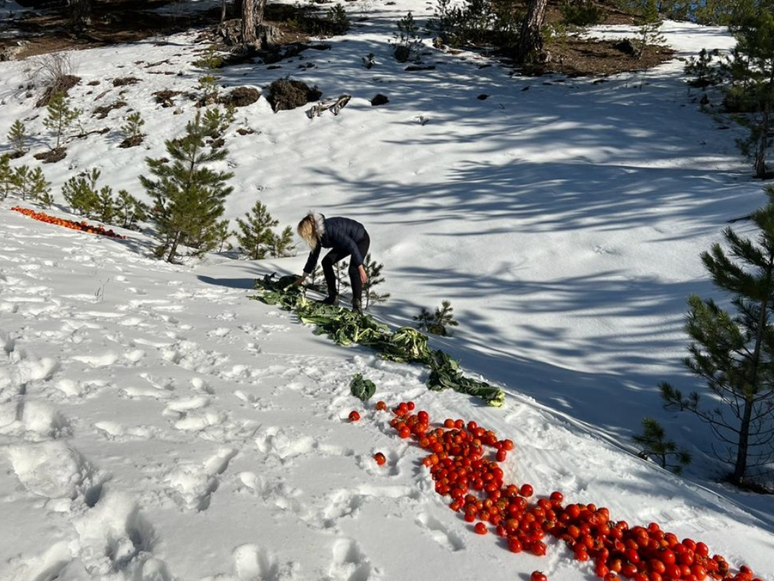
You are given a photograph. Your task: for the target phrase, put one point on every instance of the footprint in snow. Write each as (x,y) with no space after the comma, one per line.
(254,563)
(193,484)
(350,563)
(58,472)
(440,533)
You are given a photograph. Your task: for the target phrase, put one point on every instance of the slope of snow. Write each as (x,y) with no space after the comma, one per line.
(156,424)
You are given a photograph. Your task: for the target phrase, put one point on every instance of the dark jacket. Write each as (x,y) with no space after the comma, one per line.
(341,234)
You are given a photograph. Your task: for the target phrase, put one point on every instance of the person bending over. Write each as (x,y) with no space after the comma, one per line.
(344,237)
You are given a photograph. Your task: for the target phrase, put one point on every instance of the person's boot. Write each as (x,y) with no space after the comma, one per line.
(331,300)
(357,307)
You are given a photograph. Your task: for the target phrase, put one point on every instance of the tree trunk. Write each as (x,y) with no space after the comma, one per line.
(763,141)
(248,22)
(531,39)
(740,468)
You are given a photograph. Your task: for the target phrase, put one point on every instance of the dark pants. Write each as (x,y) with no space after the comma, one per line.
(354,276)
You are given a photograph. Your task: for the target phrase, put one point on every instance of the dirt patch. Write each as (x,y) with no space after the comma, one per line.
(52,155)
(61,85)
(593,58)
(165,98)
(241,97)
(102,112)
(123,81)
(286,94)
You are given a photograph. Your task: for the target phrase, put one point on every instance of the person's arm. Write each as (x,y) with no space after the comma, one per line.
(311,262)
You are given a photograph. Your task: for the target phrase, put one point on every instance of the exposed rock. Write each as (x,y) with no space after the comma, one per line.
(286,94)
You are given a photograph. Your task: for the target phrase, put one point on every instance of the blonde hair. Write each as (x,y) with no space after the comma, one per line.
(307,229)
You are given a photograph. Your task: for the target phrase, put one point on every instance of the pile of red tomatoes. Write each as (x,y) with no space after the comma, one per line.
(82,226)
(464,468)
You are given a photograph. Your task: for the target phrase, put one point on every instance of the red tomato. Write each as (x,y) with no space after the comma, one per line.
(381,406)
(480,528)
(380,459)
(354,416)
(538,576)
(501,455)
(526,490)
(514,545)
(404,432)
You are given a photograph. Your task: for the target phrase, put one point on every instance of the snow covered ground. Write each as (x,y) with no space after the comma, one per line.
(157,425)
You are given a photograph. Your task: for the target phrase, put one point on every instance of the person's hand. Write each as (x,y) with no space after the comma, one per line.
(300,280)
(363,275)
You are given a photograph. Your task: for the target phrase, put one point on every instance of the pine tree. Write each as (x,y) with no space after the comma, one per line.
(282,244)
(132,130)
(18,138)
(255,236)
(30,184)
(374,271)
(81,193)
(60,117)
(437,322)
(752,70)
(6,176)
(655,446)
(188,196)
(129,210)
(734,354)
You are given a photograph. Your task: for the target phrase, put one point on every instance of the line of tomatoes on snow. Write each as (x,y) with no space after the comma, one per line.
(82,226)
(475,484)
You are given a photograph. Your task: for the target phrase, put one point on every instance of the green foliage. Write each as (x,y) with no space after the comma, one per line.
(734,353)
(363,389)
(581,13)
(128,211)
(650,29)
(60,117)
(18,138)
(479,21)
(437,323)
(255,236)
(374,271)
(654,445)
(24,183)
(337,19)
(212,60)
(406,42)
(282,243)
(404,345)
(132,127)
(82,195)
(6,176)
(187,195)
(704,69)
(751,68)
(708,12)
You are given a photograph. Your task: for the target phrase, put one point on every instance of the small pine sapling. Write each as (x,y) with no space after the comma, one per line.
(129,210)
(132,130)
(437,322)
(374,271)
(341,268)
(81,193)
(6,176)
(106,208)
(255,237)
(60,117)
(18,139)
(282,244)
(30,184)
(406,41)
(654,445)
(221,233)
(650,30)
(188,196)
(338,20)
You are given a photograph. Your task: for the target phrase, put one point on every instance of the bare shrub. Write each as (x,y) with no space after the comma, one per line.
(55,73)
